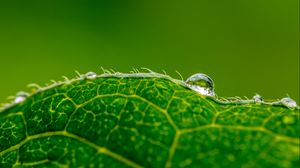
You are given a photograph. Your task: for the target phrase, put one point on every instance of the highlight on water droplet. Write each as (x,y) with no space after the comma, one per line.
(288,102)
(201,83)
(20,97)
(90,75)
(257,98)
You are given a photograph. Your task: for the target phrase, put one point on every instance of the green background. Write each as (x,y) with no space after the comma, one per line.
(246,46)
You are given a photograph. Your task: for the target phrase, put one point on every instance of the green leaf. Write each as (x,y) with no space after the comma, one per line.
(144,120)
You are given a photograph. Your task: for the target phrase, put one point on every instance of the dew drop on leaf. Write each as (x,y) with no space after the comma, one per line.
(258,98)
(201,83)
(20,97)
(90,75)
(288,102)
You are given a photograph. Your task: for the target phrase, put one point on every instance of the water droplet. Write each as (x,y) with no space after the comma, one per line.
(201,83)
(90,75)
(288,102)
(20,97)
(258,98)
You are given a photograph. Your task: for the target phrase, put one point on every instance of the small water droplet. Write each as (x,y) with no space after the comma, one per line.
(288,102)
(258,98)
(20,97)
(90,75)
(201,83)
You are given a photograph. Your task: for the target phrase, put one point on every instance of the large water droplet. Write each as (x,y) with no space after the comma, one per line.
(90,75)
(20,97)
(201,83)
(258,98)
(288,102)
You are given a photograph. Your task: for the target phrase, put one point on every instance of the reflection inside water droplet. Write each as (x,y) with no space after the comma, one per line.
(90,75)
(20,97)
(257,98)
(201,83)
(288,102)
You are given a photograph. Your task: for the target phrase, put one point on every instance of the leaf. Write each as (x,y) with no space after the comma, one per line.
(144,120)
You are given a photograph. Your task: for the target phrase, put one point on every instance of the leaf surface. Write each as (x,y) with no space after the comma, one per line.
(144,120)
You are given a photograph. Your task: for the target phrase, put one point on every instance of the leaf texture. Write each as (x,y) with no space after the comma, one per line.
(144,121)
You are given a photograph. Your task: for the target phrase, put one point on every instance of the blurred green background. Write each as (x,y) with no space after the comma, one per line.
(246,46)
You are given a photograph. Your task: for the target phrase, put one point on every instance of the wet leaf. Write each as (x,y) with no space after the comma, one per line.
(144,120)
